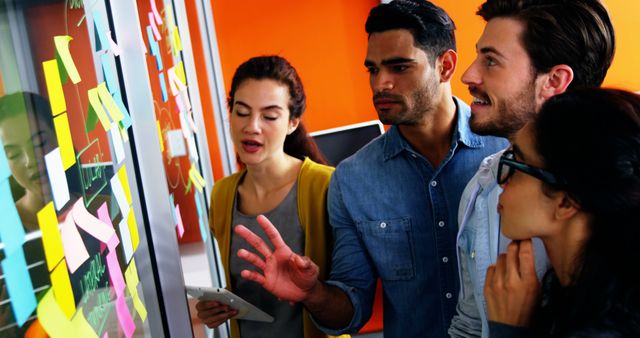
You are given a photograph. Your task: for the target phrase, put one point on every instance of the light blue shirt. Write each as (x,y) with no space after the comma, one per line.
(394,216)
(479,243)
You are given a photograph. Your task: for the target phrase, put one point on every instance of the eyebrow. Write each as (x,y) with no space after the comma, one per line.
(270,107)
(487,50)
(392,61)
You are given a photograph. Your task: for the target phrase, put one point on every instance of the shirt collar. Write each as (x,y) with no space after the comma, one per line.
(394,143)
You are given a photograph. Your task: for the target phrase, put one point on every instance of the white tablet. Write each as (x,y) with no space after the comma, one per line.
(245,309)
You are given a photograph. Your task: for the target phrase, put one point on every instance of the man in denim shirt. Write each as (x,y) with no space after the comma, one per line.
(526,55)
(393,205)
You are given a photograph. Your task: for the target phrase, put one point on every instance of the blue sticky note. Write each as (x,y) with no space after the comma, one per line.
(126,120)
(19,286)
(154,48)
(109,73)
(102,39)
(11,231)
(173,209)
(163,86)
(5,172)
(203,229)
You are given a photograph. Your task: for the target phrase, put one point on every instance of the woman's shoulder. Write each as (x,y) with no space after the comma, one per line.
(309,167)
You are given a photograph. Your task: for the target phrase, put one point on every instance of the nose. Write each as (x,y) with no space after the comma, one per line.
(29,158)
(471,75)
(381,82)
(253,125)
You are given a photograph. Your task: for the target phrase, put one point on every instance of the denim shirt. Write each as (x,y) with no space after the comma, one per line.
(479,244)
(394,217)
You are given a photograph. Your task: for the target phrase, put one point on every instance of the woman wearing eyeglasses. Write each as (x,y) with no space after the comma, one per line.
(572,178)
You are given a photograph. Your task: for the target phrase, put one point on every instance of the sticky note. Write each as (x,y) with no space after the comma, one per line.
(61,285)
(11,231)
(95,107)
(124,317)
(154,47)
(54,87)
(173,209)
(193,151)
(163,87)
(177,43)
(185,99)
(122,173)
(109,103)
(63,54)
(126,117)
(116,142)
(57,178)
(156,14)
(51,240)
(196,177)
(133,230)
(180,225)
(81,326)
(109,73)
(127,246)
(51,317)
(154,27)
(74,250)
(115,49)
(102,40)
(175,83)
(63,133)
(115,274)
(131,276)
(119,194)
(204,231)
(160,136)
(5,172)
(180,72)
(19,286)
(186,130)
(91,224)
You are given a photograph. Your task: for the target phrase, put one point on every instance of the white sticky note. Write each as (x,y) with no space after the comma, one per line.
(116,141)
(175,143)
(74,250)
(125,236)
(118,192)
(57,178)
(193,151)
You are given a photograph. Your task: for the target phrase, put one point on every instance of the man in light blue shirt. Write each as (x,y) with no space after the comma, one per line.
(528,52)
(393,205)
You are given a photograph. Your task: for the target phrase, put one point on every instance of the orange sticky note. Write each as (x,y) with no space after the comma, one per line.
(54,87)
(61,285)
(63,133)
(51,240)
(133,231)
(96,105)
(64,55)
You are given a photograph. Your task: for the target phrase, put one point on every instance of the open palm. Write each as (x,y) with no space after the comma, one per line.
(285,274)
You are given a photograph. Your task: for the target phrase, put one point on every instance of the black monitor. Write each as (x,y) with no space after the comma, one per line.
(339,143)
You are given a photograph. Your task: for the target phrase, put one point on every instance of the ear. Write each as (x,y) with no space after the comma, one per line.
(446,64)
(566,207)
(556,81)
(293,125)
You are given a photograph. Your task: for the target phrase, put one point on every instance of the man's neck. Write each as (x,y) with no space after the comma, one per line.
(432,136)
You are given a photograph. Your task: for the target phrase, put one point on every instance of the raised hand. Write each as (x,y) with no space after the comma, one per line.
(285,274)
(512,289)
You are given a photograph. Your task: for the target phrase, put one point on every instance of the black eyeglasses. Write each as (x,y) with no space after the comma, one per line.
(508,165)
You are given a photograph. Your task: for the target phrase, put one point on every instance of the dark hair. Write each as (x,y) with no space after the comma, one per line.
(298,144)
(431,27)
(591,137)
(577,33)
(34,106)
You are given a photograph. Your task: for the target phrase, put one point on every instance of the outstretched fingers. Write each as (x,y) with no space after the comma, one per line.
(271,231)
(253,240)
(253,276)
(252,258)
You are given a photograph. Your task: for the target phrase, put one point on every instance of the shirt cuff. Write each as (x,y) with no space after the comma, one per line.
(500,330)
(356,320)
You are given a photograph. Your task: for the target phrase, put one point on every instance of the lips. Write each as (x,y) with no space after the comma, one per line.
(251,146)
(479,97)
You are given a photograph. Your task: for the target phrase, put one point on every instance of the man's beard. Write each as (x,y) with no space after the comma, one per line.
(422,100)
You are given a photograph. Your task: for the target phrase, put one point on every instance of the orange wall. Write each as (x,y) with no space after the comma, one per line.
(324,40)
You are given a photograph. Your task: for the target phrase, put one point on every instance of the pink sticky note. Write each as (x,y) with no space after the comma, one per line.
(124,317)
(115,274)
(156,14)
(74,250)
(180,225)
(103,215)
(154,27)
(98,229)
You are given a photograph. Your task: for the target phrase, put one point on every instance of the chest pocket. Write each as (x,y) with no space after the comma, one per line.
(389,243)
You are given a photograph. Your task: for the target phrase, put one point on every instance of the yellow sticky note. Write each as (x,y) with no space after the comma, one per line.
(54,87)
(96,105)
(177,43)
(51,240)
(131,275)
(124,180)
(160,136)
(62,50)
(81,326)
(180,72)
(196,177)
(133,230)
(52,318)
(110,103)
(63,133)
(61,285)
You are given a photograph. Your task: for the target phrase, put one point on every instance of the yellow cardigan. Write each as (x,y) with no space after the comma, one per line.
(313,181)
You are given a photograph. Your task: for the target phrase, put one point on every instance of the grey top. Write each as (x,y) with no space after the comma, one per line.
(288,318)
